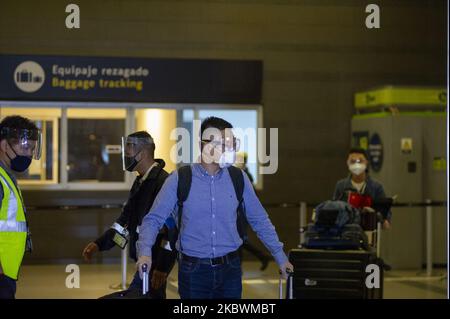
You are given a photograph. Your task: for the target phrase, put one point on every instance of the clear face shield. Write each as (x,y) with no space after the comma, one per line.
(24,142)
(131,147)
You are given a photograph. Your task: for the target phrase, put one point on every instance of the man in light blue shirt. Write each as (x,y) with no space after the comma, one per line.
(209,264)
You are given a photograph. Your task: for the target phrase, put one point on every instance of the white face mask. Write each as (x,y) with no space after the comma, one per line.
(227,158)
(357,168)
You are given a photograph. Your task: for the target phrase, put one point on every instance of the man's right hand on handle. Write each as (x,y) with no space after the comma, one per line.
(285,269)
(90,249)
(143,260)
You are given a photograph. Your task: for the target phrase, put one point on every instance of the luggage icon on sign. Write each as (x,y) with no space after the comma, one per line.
(24,76)
(29,76)
(37,79)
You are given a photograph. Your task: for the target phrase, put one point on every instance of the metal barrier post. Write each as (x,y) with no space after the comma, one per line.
(123,266)
(429,237)
(378,239)
(280,287)
(124,258)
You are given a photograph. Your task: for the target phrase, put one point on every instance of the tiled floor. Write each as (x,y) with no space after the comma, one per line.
(95,281)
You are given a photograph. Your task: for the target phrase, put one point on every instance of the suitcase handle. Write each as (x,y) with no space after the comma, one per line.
(144,279)
(289,283)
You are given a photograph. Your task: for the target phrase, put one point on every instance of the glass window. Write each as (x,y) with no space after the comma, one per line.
(94,145)
(46,169)
(93,151)
(185,121)
(159,123)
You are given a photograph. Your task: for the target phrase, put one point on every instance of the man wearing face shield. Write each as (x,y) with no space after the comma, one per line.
(209,239)
(20,142)
(360,181)
(138,156)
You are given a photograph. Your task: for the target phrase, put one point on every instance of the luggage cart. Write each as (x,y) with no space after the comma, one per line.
(336,274)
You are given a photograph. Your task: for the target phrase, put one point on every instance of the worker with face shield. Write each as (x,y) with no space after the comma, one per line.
(138,156)
(20,143)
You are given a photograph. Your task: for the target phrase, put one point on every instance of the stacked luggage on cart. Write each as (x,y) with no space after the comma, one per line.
(340,255)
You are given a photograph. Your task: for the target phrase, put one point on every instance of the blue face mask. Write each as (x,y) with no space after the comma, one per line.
(20,163)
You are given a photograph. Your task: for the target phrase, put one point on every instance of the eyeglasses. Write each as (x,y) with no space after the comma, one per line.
(227,143)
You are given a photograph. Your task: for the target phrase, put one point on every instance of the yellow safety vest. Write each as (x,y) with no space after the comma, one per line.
(13,227)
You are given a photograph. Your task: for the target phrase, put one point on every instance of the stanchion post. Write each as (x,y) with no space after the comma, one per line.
(124,259)
(280,287)
(378,238)
(429,237)
(123,267)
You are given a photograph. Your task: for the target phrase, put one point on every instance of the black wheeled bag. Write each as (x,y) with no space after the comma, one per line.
(330,274)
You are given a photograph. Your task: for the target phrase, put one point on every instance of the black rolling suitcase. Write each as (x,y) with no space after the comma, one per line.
(327,274)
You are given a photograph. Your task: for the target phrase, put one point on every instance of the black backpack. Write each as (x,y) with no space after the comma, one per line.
(184,186)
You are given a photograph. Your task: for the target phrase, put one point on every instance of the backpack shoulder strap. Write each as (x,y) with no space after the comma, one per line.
(184,183)
(237,177)
(184,186)
(238,182)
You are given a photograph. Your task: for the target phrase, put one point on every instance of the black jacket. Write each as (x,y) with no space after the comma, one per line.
(373,188)
(137,206)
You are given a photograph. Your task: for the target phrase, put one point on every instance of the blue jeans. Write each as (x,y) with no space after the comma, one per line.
(198,280)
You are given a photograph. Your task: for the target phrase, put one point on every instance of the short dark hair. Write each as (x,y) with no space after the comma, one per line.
(145,134)
(15,122)
(140,134)
(358,150)
(215,122)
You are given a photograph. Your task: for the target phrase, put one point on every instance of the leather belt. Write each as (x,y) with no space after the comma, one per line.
(211,261)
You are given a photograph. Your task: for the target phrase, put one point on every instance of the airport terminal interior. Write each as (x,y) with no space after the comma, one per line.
(302,82)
